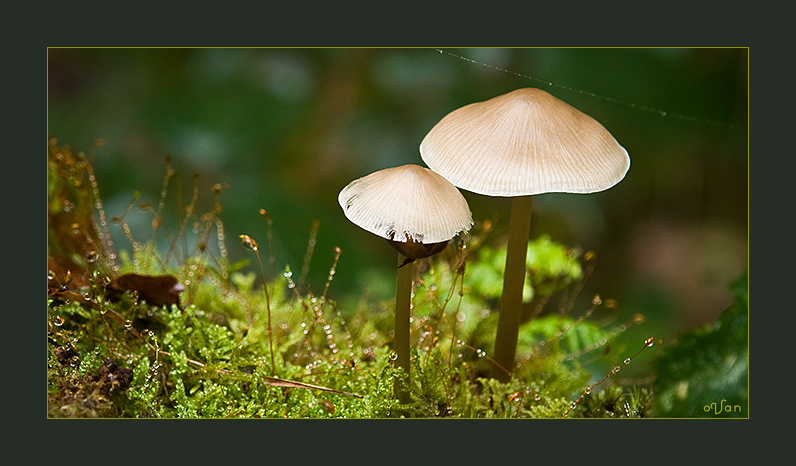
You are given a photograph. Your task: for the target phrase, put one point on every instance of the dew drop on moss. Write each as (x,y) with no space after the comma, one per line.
(92,256)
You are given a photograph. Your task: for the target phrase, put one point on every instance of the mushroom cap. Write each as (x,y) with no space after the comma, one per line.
(522,143)
(406,203)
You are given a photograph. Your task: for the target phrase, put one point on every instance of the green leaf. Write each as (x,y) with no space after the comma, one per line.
(577,338)
(551,266)
(705,374)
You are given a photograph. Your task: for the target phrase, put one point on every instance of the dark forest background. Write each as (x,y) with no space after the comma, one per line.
(287,129)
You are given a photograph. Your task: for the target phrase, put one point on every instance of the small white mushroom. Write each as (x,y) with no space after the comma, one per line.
(519,144)
(417,211)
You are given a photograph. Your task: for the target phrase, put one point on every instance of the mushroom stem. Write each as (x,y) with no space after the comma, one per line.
(513,283)
(403,299)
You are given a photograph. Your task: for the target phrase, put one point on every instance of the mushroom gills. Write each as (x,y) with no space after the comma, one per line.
(414,250)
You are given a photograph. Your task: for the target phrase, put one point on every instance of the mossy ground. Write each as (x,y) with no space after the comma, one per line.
(228,349)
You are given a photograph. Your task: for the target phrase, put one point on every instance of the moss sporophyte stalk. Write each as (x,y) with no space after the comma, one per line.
(189,334)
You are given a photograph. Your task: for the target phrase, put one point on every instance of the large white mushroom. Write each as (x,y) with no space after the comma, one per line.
(418,212)
(516,145)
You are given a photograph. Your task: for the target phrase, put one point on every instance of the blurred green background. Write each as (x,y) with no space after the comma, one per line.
(288,128)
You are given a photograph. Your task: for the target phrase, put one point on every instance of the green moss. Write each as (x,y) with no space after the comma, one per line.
(211,357)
